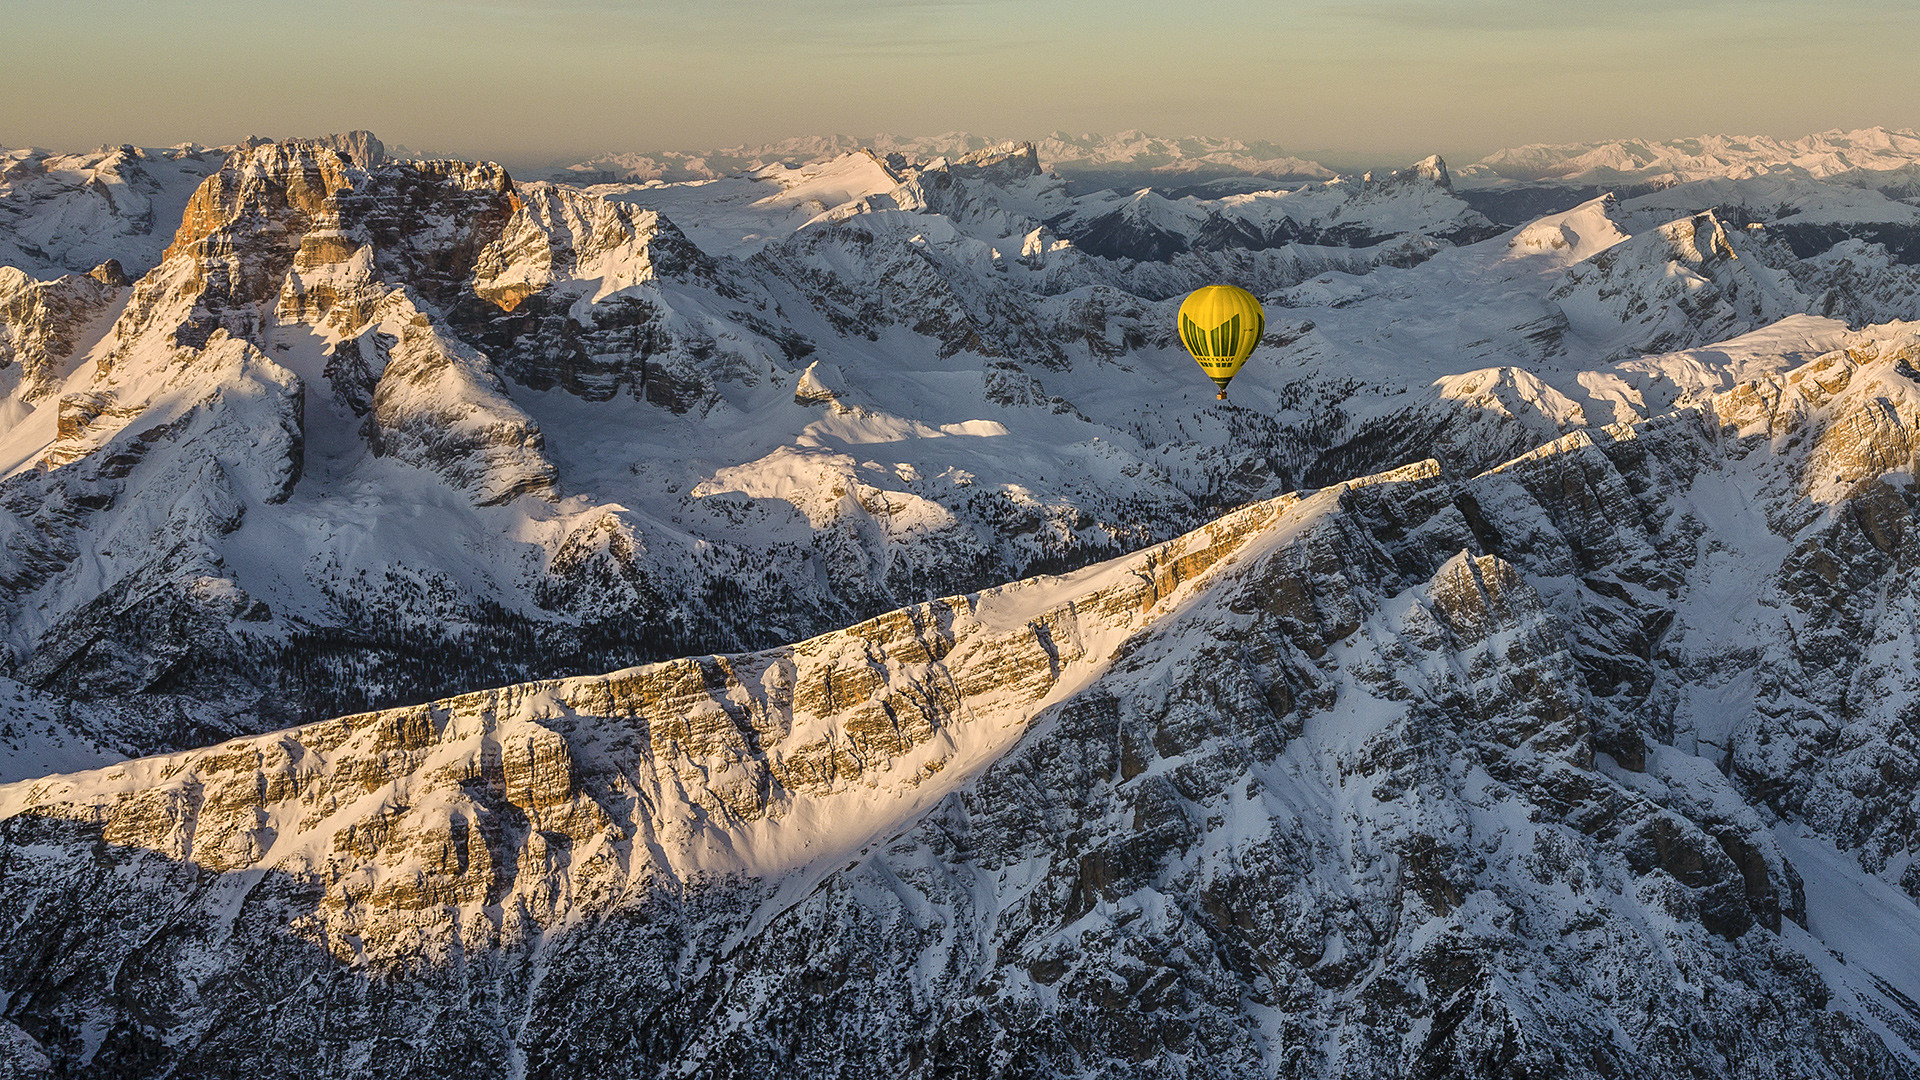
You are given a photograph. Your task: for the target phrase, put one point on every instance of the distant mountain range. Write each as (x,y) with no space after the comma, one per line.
(1843,155)
(1137,156)
(1132,154)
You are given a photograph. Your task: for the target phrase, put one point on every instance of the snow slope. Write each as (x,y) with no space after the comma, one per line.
(37,740)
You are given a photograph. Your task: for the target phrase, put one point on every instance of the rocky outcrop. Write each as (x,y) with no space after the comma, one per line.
(570,296)
(363,148)
(1675,287)
(896,281)
(1861,283)
(1002,190)
(1469,422)
(43,324)
(439,405)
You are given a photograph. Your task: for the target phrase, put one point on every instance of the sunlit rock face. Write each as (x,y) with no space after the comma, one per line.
(44,322)
(1510,773)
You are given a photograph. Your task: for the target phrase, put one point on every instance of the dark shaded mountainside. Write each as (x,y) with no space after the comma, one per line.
(1571,767)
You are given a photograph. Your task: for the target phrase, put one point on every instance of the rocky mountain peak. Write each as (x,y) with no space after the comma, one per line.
(1432,168)
(362,147)
(1670,287)
(342,187)
(1428,170)
(1008,161)
(1700,240)
(266,186)
(110,274)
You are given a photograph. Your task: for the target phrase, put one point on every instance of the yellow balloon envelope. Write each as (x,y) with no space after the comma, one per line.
(1220,325)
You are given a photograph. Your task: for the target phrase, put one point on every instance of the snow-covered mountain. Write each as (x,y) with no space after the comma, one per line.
(1131,156)
(74,211)
(1558,769)
(373,430)
(1372,211)
(1866,157)
(1512,678)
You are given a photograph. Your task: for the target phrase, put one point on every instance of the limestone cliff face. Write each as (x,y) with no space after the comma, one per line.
(569,295)
(237,239)
(42,324)
(1414,775)
(707,768)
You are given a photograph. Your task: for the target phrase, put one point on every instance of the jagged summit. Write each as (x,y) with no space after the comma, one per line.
(1431,170)
(366,150)
(67,212)
(1019,159)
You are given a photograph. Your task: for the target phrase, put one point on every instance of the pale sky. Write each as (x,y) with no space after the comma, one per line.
(1359,82)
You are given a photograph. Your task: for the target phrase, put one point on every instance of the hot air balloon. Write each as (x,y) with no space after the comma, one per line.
(1220,325)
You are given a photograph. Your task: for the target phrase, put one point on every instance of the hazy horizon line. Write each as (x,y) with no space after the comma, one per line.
(1332,157)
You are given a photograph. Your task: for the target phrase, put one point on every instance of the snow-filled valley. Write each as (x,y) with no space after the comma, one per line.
(788,607)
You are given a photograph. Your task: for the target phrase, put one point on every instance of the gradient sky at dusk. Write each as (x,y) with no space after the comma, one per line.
(529,81)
